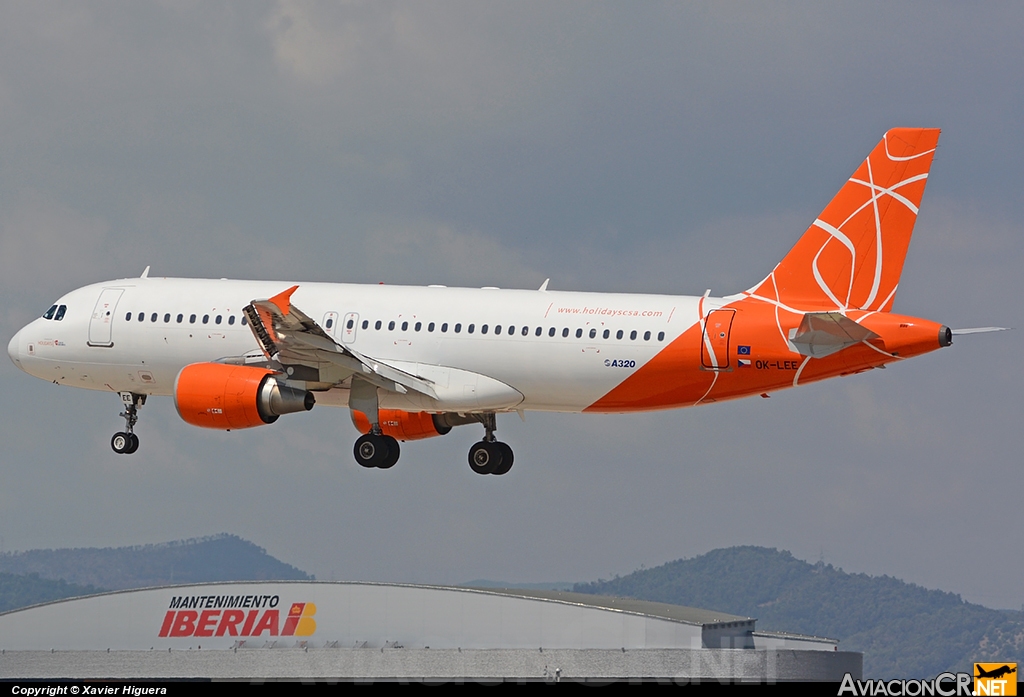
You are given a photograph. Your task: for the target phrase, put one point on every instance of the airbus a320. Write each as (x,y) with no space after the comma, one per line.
(414,362)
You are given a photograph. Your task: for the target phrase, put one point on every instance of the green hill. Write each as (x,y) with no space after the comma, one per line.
(904,630)
(24,590)
(216,558)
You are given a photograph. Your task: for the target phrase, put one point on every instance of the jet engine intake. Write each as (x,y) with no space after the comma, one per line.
(216,395)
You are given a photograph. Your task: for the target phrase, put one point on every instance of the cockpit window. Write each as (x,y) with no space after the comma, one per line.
(60,312)
(49,313)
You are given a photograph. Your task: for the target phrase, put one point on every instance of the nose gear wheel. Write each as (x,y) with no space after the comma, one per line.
(126,442)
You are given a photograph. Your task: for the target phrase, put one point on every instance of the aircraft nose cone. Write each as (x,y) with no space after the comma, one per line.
(14,349)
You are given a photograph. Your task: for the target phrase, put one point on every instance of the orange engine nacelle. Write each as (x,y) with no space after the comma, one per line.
(216,395)
(403,425)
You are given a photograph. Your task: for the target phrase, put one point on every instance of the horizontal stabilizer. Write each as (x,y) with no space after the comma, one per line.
(979,330)
(823,333)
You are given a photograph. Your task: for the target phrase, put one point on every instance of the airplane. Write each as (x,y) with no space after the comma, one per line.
(996,672)
(414,362)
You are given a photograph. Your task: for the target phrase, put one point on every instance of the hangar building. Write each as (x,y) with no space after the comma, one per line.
(377,631)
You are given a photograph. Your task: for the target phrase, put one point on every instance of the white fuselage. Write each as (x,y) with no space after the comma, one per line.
(565,352)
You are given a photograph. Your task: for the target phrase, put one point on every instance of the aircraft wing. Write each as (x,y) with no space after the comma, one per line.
(292,338)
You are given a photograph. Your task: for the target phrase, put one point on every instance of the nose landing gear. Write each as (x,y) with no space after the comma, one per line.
(126,442)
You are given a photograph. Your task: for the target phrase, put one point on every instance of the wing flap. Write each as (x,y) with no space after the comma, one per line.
(289,336)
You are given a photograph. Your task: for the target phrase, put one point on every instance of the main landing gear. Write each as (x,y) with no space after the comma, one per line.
(490,456)
(373,449)
(126,442)
(376,450)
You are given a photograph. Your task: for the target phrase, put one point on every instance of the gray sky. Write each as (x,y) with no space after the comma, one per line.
(612,147)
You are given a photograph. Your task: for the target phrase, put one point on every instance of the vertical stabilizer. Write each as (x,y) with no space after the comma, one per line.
(852,255)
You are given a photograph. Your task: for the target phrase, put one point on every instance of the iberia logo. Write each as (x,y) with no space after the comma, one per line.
(995,678)
(236,615)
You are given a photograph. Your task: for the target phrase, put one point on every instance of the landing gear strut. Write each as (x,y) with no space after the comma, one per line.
(126,442)
(490,456)
(373,449)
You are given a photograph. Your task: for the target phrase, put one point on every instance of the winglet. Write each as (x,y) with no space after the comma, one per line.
(145,273)
(283,300)
(544,285)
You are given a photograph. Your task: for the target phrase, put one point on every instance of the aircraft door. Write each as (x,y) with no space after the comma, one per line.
(103,317)
(714,349)
(330,324)
(349,327)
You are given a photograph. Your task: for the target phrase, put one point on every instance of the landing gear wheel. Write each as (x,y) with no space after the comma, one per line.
(507,457)
(122,443)
(485,458)
(371,450)
(393,452)
(133,445)
(126,442)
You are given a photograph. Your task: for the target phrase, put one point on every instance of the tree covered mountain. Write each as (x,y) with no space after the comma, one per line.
(17,590)
(903,629)
(216,558)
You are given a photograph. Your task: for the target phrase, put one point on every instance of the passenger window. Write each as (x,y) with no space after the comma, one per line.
(167,317)
(377,325)
(526,330)
(511,330)
(351,323)
(593,333)
(618,334)
(152,317)
(418,326)
(540,330)
(405,326)
(632,335)
(607,333)
(469,329)
(444,327)
(647,336)
(430,327)
(483,329)
(191,319)
(366,324)
(391,326)
(206,319)
(579,333)
(180,317)
(551,332)
(497,329)
(218,319)
(565,332)
(458,327)
(142,316)
(661,336)
(128,317)
(329,323)
(49,313)
(231,319)
(245,321)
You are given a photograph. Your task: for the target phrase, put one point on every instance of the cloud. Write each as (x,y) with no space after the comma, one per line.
(46,244)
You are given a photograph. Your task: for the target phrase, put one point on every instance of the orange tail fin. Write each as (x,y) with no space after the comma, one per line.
(852,255)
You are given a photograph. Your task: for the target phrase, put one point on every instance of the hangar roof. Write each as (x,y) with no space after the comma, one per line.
(676,613)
